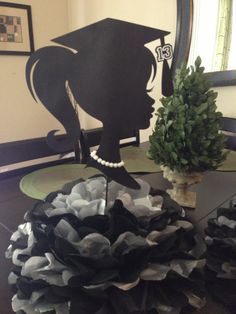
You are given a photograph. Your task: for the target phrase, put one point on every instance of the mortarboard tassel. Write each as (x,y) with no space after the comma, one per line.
(167,84)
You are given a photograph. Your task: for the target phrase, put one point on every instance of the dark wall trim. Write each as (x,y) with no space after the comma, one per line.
(26,170)
(222,78)
(26,150)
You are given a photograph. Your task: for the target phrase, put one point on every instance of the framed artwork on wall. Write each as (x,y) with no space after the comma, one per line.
(16,32)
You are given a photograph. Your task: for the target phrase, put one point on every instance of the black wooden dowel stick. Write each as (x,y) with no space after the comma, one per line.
(106,190)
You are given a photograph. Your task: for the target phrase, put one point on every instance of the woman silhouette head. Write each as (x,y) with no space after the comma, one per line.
(107,68)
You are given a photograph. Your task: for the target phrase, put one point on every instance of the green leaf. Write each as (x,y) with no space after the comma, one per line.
(198,62)
(186,133)
(202,108)
(169,123)
(184,161)
(174,155)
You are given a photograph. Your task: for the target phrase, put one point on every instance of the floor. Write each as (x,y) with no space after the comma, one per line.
(13,205)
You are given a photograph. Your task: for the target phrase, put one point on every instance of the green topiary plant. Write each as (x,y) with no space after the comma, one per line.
(186,136)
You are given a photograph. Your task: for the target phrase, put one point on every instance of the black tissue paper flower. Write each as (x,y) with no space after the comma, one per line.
(221,257)
(139,254)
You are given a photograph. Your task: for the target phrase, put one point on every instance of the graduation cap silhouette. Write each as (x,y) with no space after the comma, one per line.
(106,67)
(116,35)
(115,31)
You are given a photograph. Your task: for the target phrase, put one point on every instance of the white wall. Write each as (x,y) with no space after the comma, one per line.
(21,117)
(153,13)
(226,100)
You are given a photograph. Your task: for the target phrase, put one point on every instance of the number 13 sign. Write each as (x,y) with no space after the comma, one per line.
(164,52)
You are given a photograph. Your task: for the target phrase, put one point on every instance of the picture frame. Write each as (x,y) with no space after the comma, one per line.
(16,31)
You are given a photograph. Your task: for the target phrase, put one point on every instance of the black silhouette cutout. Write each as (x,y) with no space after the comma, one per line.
(107,72)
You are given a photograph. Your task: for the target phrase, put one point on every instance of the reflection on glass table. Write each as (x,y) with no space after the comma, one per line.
(229,203)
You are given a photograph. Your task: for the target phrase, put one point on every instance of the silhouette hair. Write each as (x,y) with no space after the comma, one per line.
(48,84)
(48,71)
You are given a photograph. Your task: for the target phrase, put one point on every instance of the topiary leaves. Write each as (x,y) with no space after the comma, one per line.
(186,135)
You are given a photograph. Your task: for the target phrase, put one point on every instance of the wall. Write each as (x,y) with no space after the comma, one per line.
(153,13)
(21,117)
(226,100)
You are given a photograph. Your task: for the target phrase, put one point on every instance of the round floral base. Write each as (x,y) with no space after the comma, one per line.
(136,254)
(181,182)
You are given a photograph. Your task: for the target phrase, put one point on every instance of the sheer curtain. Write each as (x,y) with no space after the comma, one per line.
(224,35)
(205,21)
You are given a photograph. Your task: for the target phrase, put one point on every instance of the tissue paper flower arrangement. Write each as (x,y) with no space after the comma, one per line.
(221,257)
(139,254)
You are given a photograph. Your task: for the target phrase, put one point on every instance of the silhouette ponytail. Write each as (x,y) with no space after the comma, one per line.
(47,72)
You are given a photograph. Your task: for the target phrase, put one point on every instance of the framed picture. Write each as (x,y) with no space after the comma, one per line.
(16,32)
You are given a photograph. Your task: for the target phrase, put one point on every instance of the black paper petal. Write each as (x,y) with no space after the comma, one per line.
(112,261)
(221,257)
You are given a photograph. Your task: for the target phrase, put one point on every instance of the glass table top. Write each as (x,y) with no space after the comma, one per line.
(229,203)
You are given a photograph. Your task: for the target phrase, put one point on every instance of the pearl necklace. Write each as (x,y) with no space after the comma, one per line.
(106,163)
